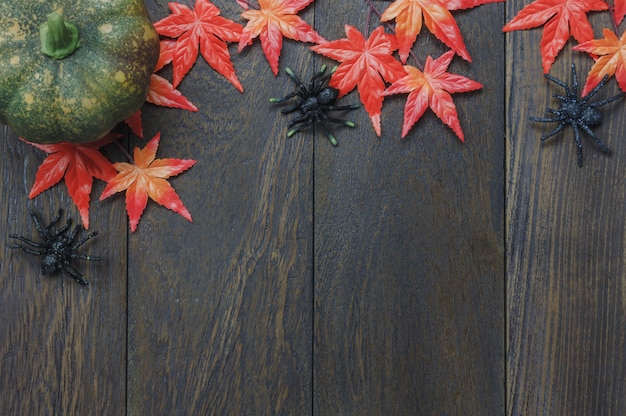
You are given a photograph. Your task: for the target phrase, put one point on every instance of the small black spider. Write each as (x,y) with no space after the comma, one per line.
(578,112)
(58,248)
(313,103)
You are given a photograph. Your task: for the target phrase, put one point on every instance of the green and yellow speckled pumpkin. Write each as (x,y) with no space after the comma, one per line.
(70,70)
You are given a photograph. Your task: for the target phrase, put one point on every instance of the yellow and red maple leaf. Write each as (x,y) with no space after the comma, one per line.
(366,64)
(611,60)
(432,88)
(78,164)
(146,177)
(561,18)
(273,20)
(201,30)
(410,14)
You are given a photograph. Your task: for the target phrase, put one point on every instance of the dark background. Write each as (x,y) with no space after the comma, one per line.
(384,276)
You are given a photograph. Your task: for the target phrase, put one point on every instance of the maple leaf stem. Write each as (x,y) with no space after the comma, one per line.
(129,158)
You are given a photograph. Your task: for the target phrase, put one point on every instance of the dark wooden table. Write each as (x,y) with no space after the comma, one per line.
(385,276)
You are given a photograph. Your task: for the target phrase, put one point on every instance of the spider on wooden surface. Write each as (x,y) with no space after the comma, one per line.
(577,112)
(57,248)
(313,103)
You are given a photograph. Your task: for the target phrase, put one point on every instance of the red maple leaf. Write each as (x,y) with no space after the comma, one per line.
(161,92)
(562,18)
(273,20)
(135,124)
(78,164)
(619,10)
(611,60)
(366,64)
(200,30)
(432,88)
(147,178)
(409,15)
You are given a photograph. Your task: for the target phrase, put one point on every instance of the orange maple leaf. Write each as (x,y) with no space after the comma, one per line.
(78,164)
(611,60)
(365,64)
(200,30)
(273,20)
(147,178)
(562,18)
(409,15)
(432,88)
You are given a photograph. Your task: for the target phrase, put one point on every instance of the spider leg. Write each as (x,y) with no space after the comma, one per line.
(574,82)
(65,227)
(544,119)
(326,117)
(558,82)
(43,232)
(85,257)
(579,145)
(596,140)
(292,108)
(342,107)
(55,220)
(595,89)
(28,249)
(553,132)
(295,78)
(326,131)
(318,81)
(74,274)
(301,118)
(303,124)
(285,98)
(84,240)
(608,100)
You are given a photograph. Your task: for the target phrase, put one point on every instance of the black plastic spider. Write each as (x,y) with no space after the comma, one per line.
(58,248)
(313,103)
(578,112)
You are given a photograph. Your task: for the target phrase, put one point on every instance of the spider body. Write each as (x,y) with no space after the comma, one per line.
(58,247)
(313,103)
(577,112)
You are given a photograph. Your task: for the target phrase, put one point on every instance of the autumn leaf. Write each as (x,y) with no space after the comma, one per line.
(432,88)
(135,124)
(561,18)
(161,92)
(611,60)
(410,14)
(273,20)
(619,10)
(147,178)
(366,64)
(78,164)
(200,30)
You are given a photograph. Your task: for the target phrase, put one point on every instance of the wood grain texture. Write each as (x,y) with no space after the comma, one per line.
(409,245)
(63,346)
(565,245)
(220,315)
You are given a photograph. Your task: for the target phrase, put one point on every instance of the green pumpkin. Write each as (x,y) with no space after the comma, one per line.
(70,70)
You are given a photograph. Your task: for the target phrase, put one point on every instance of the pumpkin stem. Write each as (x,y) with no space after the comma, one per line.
(58,37)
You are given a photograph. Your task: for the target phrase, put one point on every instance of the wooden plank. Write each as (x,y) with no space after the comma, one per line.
(565,245)
(63,346)
(220,309)
(409,261)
